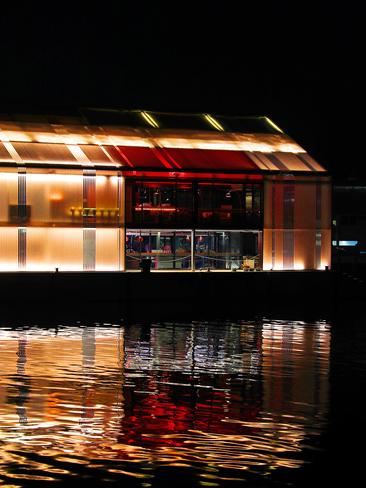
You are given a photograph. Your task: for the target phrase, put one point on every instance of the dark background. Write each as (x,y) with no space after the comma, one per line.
(297,62)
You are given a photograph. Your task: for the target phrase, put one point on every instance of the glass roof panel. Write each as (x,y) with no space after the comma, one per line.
(43,152)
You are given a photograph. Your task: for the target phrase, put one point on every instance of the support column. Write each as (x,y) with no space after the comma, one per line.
(193,250)
(89,219)
(22,218)
(318,233)
(122,223)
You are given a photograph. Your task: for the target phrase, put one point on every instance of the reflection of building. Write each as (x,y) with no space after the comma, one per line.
(253,388)
(88,390)
(22,380)
(189,383)
(295,365)
(188,191)
(237,396)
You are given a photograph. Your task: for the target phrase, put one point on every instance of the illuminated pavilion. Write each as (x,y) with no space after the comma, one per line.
(190,192)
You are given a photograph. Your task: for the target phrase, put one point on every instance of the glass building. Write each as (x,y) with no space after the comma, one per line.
(190,192)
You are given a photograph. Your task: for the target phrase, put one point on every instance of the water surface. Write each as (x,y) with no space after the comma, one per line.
(199,404)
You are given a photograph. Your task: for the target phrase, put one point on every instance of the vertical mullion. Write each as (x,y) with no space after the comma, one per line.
(89,219)
(22,218)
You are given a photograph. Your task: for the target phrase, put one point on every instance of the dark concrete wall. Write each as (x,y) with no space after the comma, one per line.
(178,295)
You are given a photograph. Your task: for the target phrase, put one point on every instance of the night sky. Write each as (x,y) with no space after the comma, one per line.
(297,63)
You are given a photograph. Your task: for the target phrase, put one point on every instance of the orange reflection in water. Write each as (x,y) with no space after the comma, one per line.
(237,397)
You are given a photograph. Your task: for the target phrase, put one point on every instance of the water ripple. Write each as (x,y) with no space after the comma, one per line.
(214,402)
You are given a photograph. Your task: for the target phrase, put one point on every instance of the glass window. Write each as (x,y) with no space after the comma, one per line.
(226,250)
(172,204)
(159,203)
(166,249)
(229,205)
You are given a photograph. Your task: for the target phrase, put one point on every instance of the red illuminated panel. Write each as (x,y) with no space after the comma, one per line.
(139,157)
(181,159)
(186,175)
(207,159)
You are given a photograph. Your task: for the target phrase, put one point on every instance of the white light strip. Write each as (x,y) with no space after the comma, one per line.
(241,142)
(78,154)
(10,148)
(175,143)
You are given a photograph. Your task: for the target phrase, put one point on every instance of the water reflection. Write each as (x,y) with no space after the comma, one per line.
(217,402)
(22,380)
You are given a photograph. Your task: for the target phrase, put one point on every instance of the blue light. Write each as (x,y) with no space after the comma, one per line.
(348,243)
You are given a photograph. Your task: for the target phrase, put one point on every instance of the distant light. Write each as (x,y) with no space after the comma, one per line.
(334,243)
(334,222)
(213,122)
(272,124)
(348,243)
(150,120)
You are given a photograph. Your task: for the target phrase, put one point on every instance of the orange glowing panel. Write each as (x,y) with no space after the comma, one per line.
(56,197)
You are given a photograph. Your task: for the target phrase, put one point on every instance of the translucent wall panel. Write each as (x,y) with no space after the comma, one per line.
(297,218)
(50,248)
(326,247)
(65,198)
(55,198)
(304,249)
(107,249)
(8,196)
(107,199)
(8,248)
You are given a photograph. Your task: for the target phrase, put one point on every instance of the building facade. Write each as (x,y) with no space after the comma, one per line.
(188,191)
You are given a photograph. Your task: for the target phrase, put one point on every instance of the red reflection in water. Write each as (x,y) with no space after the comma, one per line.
(180,407)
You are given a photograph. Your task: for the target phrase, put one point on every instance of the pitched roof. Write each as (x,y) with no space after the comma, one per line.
(154,141)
